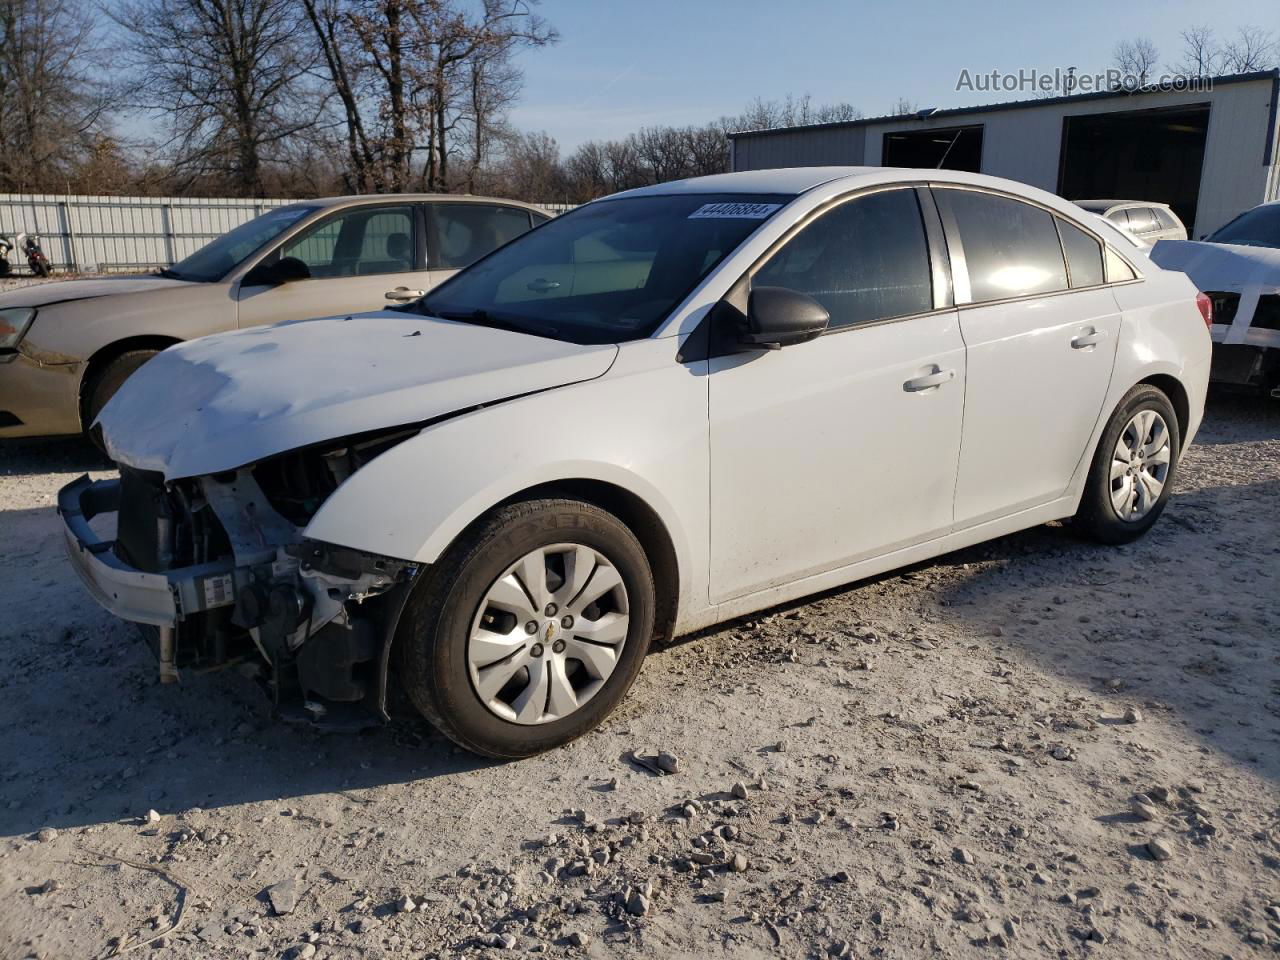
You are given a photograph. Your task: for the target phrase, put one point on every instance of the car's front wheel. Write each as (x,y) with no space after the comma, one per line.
(104,385)
(529,629)
(1133,468)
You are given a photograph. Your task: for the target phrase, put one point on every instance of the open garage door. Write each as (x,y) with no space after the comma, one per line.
(1136,155)
(953,148)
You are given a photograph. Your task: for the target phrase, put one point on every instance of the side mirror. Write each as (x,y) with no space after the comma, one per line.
(284,270)
(778,317)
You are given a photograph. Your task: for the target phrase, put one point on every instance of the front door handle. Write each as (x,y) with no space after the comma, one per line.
(929,381)
(404,293)
(1082,341)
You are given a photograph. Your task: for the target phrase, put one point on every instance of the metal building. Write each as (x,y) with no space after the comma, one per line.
(1209,153)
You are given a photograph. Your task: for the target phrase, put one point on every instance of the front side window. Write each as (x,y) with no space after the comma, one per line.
(361,242)
(465,232)
(1084,255)
(219,257)
(1259,227)
(1010,248)
(607,271)
(865,260)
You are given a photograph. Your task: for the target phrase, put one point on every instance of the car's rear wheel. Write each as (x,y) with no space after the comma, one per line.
(530,629)
(1133,468)
(105,384)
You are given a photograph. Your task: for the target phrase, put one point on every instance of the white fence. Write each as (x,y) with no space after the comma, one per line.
(112,234)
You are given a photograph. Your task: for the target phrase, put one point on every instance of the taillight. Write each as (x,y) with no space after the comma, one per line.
(1206,309)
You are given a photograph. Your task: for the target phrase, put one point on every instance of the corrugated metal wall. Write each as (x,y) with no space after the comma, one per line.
(1025,143)
(801,148)
(121,233)
(116,234)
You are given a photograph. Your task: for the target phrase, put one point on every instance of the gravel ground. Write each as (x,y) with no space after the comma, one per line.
(939,762)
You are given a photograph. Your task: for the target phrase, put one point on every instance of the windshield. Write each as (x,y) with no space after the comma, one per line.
(606,272)
(219,257)
(1259,227)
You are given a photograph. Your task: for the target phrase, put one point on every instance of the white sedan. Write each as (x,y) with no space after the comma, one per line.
(665,409)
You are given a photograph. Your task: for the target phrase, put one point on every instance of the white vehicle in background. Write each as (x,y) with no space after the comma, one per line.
(662,410)
(1238,267)
(1145,221)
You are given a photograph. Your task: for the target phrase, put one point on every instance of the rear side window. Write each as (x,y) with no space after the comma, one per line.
(1011,248)
(865,260)
(1141,219)
(465,232)
(1084,255)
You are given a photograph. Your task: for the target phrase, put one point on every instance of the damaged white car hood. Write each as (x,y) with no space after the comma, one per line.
(1225,267)
(228,400)
(61,291)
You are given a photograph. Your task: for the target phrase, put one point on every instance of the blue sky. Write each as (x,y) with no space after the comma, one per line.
(623,64)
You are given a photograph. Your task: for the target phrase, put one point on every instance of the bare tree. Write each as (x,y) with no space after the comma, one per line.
(588,172)
(453,45)
(708,149)
(1137,58)
(532,167)
(903,108)
(422,78)
(1250,50)
(224,76)
(1201,53)
(492,85)
(342,68)
(50,112)
(791,111)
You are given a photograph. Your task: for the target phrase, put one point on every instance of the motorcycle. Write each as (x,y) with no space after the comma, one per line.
(29,244)
(5,247)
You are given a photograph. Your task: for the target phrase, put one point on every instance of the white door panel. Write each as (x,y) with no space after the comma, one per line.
(1038,372)
(834,450)
(439,276)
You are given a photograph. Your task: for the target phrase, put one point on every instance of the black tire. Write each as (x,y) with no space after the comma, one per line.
(40,268)
(433,634)
(1097,517)
(104,385)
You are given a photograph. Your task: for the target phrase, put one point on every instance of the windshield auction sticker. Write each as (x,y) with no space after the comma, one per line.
(734,211)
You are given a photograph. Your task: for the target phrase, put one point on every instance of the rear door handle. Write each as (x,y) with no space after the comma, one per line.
(1082,341)
(404,293)
(928,381)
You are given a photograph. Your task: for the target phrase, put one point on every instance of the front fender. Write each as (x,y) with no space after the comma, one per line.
(641,427)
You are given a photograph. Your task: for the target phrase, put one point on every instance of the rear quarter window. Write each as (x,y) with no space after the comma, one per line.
(1084,256)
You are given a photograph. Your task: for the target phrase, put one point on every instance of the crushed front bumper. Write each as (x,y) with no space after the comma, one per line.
(158,599)
(312,621)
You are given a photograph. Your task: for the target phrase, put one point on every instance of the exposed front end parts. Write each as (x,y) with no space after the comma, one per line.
(218,577)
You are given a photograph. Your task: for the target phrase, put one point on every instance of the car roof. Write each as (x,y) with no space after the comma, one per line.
(780,180)
(358,199)
(797,180)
